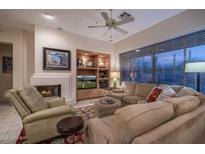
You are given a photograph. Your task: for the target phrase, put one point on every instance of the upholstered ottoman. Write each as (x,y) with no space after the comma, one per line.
(107,106)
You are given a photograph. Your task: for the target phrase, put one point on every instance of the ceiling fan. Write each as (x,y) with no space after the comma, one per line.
(111,23)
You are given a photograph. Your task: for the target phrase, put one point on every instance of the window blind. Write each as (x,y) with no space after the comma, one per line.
(162,67)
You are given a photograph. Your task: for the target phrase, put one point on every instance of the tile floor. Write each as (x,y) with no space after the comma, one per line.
(11,125)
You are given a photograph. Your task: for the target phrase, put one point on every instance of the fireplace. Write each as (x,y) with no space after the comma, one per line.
(49,90)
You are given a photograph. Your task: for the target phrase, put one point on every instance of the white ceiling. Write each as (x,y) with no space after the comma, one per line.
(77,21)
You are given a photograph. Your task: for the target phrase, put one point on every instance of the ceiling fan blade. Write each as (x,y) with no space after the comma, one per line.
(106,17)
(125,21)
(120,30)
(97,26)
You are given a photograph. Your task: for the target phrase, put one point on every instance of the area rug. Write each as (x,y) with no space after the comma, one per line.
(86,113)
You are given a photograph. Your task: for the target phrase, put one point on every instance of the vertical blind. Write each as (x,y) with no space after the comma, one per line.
(164,62)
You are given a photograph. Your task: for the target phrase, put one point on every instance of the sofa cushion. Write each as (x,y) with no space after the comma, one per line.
(132,99)
(32,99)
(108,120)
(119,96)
(129,88)
(153,95)
(143,89)
(184,104)
(201,98)
(97,131)
(167,91)
(142,102)
(187,91)
(176,88)
(134,120)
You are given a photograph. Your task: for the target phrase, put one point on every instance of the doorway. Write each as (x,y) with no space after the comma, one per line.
(6,69)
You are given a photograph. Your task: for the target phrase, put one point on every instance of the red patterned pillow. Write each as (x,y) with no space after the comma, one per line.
(153,94)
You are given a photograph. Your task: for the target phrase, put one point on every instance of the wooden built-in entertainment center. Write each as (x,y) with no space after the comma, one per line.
(93,74)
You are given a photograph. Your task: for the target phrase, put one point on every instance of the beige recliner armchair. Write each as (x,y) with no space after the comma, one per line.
(39,125)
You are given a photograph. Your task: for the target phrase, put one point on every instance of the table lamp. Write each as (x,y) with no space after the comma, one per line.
(115,75)
(195,67)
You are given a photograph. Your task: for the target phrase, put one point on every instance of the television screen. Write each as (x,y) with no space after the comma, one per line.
(86,82)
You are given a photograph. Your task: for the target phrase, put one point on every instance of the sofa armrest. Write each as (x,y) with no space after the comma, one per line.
(119,90)
(97,131)
(47,113)
(201,97)
(54,101)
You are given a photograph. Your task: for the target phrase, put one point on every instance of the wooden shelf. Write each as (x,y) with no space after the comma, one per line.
(92,68)
(87,68)
(104,78)
(103,69)
(98,59)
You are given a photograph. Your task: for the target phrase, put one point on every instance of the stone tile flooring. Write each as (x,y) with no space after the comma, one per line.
(11,125)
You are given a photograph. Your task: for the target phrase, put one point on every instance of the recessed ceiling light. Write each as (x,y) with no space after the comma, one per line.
(137,50)
(48,16)
(86,54)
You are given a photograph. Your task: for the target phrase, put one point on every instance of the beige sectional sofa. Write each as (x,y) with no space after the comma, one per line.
(176,120)
(149,123)
(136,93)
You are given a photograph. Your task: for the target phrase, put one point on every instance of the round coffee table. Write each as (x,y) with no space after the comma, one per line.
(70,126)
(107,106)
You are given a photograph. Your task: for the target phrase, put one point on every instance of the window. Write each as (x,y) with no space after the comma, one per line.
(143,67)
(195,54)
(127,67)
(164,62)
(170,67)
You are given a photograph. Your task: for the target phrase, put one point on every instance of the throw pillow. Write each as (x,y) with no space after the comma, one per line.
(185,91)
(33,99)
(153,94)
(167,92)
(184,104)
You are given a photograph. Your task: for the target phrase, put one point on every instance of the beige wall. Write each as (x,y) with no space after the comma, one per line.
(6,79)
(46,37)
(181,24)
(22,43)
(29,56)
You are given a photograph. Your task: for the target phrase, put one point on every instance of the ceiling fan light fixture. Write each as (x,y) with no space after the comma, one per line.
(113,24)
(124,15)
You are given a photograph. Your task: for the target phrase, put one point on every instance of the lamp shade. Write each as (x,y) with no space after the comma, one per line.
(115,75)
(195,67)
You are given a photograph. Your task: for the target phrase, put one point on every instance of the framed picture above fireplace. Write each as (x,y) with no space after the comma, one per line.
(56,59)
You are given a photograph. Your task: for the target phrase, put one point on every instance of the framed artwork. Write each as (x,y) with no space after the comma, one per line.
(7,64)
(56,59)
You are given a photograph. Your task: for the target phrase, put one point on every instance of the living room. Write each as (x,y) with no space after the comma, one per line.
(102,76)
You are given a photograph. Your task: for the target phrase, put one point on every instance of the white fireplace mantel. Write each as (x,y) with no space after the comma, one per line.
(64,79)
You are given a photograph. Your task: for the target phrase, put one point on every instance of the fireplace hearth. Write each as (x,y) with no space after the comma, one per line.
(49,90)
